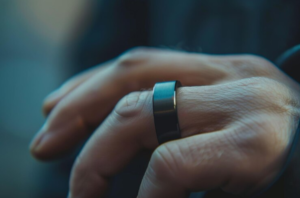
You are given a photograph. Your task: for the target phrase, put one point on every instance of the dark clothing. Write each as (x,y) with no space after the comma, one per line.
(262,27)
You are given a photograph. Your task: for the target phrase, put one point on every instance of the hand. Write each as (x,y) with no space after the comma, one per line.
(236,131)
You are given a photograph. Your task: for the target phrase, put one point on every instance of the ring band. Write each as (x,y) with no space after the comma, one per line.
(165,111)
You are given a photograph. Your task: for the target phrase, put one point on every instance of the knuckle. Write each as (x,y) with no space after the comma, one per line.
(255,60)
(267,94)
(185,161)
(249,65)
(133,57)
(169,162)
(133,104)
(139,50)
(257,137)
(268,108)
(163,162)
(263,66)
(261,86)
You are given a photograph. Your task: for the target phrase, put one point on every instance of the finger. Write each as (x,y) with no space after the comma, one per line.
(77,114)
(193,164)
(130,128)
(234,159)
(53,98)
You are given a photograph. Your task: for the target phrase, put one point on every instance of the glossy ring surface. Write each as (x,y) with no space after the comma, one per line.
(165,111)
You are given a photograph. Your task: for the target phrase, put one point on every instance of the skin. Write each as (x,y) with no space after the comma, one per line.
(237,113)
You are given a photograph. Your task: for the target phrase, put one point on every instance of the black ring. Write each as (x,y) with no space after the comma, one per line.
(165,111)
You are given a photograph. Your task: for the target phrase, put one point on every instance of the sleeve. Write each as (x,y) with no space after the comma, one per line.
(289,62)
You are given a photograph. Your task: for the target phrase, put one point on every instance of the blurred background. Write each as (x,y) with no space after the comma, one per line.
(35,37)
(44,42)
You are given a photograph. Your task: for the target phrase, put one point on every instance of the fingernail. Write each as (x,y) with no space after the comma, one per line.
(35,142)
(39,138)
